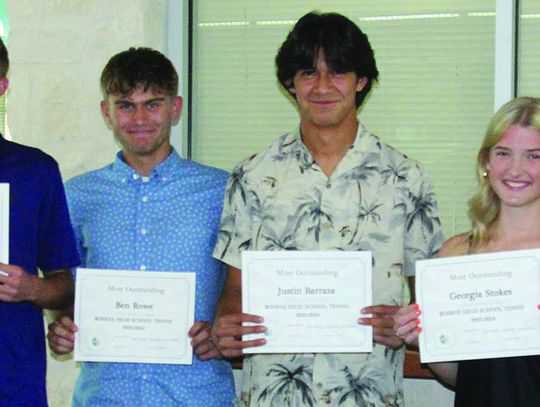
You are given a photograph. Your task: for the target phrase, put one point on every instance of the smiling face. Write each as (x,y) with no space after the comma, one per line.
(141,123)
(326,99)
(514,167)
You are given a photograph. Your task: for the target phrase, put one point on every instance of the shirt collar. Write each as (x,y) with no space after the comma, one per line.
(163,171)
(293,141)
(364,147)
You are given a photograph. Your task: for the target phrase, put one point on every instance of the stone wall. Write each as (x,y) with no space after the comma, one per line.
(58,49)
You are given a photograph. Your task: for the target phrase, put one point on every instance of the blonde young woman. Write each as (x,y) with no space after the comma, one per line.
(505,214)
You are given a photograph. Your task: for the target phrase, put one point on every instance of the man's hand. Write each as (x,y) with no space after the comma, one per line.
(54,291)
(382,321)
(61,335)
(228,330)
(16,285)
(204,348)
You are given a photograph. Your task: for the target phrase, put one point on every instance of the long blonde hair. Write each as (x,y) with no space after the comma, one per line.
(485,205)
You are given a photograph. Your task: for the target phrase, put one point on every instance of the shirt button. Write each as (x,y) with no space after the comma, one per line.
(144,376)
(143,267)
(144,199)
(124,180)
(144,231)
(164,178)
(328,185)
(326,225)
(136,176)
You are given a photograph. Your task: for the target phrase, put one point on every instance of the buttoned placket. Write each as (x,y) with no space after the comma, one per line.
(327,186)
(143,236)
(327,234)
(143,229)
(319,378)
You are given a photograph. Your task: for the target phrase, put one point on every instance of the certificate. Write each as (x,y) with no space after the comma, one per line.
(4,223)
(310,301)
(134,316)
(479,306)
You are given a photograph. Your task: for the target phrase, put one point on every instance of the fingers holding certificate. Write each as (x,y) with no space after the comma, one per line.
(479,306)
(310,301)
(137,317)
(229,330)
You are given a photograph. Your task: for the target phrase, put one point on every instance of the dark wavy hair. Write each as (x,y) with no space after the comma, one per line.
(346,49)
(139,67)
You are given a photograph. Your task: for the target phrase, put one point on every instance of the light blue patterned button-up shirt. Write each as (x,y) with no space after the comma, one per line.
(164,222)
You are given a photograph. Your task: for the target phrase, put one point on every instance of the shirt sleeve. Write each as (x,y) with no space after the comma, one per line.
(235,230)
(423,234)
(75,212)
(56,241)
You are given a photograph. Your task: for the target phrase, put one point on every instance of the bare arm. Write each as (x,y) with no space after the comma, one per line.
(411,281)
(53,291)
(455,246)
(231,297)
(407,326)
(446,371)
(407,319)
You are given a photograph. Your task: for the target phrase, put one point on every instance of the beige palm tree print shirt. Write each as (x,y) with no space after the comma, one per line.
(377,199)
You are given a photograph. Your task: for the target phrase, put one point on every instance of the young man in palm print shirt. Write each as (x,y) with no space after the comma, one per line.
(341,189)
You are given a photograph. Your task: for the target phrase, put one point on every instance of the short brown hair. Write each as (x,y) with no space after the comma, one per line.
(139,67)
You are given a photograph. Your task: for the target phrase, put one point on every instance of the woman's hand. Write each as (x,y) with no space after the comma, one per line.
(407,324)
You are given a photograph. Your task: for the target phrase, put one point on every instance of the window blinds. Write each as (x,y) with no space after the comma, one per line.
(433,100)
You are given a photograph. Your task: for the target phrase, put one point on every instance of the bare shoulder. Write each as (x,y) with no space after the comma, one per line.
(457,245)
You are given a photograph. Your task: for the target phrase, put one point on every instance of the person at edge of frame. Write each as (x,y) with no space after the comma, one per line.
(505,215)
(40,237)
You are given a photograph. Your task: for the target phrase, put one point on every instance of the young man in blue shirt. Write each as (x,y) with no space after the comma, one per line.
(149,210)
(40,236)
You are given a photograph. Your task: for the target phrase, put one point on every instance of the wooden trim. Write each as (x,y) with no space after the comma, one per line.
(413,369)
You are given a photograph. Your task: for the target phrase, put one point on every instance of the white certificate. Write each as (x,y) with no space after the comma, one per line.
(134,316)
(4,223)
(479,306)
(310,301)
